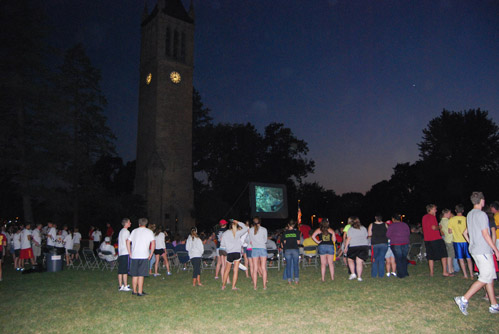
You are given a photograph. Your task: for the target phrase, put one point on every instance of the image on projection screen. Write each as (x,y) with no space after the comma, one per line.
(269,199)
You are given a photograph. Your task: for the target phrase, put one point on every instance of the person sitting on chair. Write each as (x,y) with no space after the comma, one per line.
(107,247)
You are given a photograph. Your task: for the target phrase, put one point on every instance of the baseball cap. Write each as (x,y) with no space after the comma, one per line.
(223,222)
(107,239)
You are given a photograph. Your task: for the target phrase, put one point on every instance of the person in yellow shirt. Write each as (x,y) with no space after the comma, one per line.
(449,245)
(456,227)
(494,207)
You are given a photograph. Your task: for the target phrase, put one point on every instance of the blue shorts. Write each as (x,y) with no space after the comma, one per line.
(389,253)
(326,250)
(461,250)
(248,252)
(258,252)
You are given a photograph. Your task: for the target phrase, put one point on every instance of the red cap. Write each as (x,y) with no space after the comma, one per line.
(223,222)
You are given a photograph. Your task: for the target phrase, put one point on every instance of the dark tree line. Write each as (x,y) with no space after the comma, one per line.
(56,151)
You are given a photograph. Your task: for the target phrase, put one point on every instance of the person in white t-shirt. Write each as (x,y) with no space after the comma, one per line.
(107,247)
(16,240)
(59,243)
(68,245)
(51,235)
(36,241)
(140,246)
(123,255)
(160,251)
(77,242)
(65,231)
(97,235)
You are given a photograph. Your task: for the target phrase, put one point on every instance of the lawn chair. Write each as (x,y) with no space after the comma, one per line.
(208,260)
(310,257)
(71,263)
(91,261)
(273,259)
(106,264)
(172,258)
(184,260)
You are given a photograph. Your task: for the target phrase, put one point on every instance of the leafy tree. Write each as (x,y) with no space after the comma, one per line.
(90,138)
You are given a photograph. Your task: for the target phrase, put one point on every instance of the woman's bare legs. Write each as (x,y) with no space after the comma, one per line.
(235,273)
(360,266)
(323,267)
(263,267)
(156,264)
(331,265)
(225,275)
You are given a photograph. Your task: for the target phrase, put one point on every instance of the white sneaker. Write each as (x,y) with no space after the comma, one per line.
(359,279)
(242,267)
(126,288)
(387,274)
(121,288)
(494,309)
(352,276)
(169,273)
(394,274)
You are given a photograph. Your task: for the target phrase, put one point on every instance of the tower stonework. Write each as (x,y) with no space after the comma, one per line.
(164,140)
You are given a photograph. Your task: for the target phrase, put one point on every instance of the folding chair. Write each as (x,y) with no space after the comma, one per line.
(273,259)
(81,263)
(172,258)
(71,263)
(106,264)
(91,261)
(183,259)
(310,257)
(208,260)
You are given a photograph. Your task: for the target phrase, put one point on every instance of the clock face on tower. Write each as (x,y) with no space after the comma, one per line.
(175,77)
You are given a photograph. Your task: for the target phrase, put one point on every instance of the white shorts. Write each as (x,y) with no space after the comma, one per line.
(486,268)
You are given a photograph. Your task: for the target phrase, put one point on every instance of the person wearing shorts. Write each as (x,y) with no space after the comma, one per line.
(26,250)
(258,241)
(221,253)
(140,245)
(3,244)
(231,242)
(435,246)
(36,241)
(457,226)
(390,264)
(481,248)
(357,248)
(326,239)
(123,259)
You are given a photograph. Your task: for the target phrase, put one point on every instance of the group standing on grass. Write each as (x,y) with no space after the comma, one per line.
(457,241)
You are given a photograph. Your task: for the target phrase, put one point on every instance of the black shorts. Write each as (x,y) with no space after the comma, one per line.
(159,251)
(139,267)
(435,250)
(362,252)
(17,252)
(231,257)
(122,264)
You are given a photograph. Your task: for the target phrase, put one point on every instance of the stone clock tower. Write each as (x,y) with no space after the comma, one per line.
(164,140)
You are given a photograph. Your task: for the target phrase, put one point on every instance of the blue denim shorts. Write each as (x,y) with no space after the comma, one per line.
(389,253)
(326,249)
(258,252)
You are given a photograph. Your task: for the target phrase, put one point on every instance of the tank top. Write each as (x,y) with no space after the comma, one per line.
(326,239)
(379,234)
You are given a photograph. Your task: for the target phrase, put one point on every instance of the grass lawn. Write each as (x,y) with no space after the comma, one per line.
(88,302)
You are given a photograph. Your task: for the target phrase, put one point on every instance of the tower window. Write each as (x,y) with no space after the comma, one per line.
(182,47)
(168,42)
(175,44)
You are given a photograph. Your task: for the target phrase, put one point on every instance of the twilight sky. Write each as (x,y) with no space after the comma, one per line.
(357,80)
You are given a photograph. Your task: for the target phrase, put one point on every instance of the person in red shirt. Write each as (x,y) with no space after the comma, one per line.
(3,243)
(109,231)
(435,246)
(305,230)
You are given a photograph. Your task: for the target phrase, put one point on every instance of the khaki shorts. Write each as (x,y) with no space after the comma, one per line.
(450,250)
(76,247)
(486,268)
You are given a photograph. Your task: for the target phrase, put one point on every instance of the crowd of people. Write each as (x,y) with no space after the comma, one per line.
(462,243)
